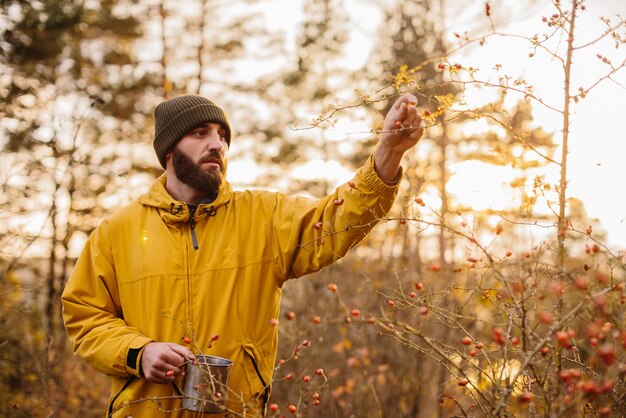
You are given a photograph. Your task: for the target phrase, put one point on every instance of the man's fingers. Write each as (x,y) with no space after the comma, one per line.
(407,98)
(412,121)
(184,352)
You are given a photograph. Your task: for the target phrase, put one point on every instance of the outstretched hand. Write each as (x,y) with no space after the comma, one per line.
(402,129)
(403,124)
(163,362)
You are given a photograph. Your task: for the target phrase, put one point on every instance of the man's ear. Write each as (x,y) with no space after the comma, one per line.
(168,159)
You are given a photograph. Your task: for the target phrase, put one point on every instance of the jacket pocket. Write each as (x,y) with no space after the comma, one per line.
(111,408)
(259,378)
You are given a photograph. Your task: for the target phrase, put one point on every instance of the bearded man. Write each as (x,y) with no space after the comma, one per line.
(192,260)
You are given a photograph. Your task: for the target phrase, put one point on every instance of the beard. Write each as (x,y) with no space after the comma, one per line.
(207,181)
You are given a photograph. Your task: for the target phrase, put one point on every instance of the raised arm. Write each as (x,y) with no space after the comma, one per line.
(313,234)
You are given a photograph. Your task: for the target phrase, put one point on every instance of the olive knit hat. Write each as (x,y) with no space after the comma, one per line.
(174,117)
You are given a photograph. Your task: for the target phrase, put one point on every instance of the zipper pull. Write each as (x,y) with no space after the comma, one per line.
(192,226)
(194,238)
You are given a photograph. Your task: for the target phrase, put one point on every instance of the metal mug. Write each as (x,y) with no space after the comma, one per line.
(206,384)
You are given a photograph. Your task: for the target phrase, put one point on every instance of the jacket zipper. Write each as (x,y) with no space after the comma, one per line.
(192,226)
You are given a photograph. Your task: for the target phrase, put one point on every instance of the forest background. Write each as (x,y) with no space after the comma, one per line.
(488,290)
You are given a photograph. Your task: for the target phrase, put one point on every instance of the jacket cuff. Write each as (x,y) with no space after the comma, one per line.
(133,355)
(370,177)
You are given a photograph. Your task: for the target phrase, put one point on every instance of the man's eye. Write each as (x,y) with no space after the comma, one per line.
(199,133)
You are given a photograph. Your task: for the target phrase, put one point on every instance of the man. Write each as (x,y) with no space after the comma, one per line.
(193,266)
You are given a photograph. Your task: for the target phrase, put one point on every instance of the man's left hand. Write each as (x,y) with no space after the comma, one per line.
(402,129)
(403,125)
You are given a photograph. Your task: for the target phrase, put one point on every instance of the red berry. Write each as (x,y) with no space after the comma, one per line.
(290,315)
(170,373)
(318,226)
(466,340)
(273,322)
(479,345)
(546,317)
(498,336)
(214,337)
(187,340)
(306,379)
(355,313)
(525,397)
(338,202)
(316,319)
(463,382)
(607,353)
(420,201)
(351,184)
(332,287)
(391,303)
(570,375)
(319,372)
(581,283)
(423,310)
(292,409)
(273,407)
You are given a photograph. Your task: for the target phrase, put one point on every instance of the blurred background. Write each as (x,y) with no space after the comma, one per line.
(306,84)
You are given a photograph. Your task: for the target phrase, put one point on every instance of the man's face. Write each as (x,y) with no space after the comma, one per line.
(198,158)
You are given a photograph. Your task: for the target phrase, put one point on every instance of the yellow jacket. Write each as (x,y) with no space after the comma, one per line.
(140,279)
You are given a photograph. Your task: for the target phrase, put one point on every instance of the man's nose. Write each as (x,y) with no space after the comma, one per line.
(214,142)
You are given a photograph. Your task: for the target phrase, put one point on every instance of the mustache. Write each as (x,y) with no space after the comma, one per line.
(213,157)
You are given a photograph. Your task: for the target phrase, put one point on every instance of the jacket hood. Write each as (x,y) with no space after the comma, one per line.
(177,210)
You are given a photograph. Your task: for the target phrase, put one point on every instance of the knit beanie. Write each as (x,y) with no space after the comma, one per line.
(175,117)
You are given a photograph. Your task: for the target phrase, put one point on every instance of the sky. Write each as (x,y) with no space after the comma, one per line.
(597,142)
(596,167)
